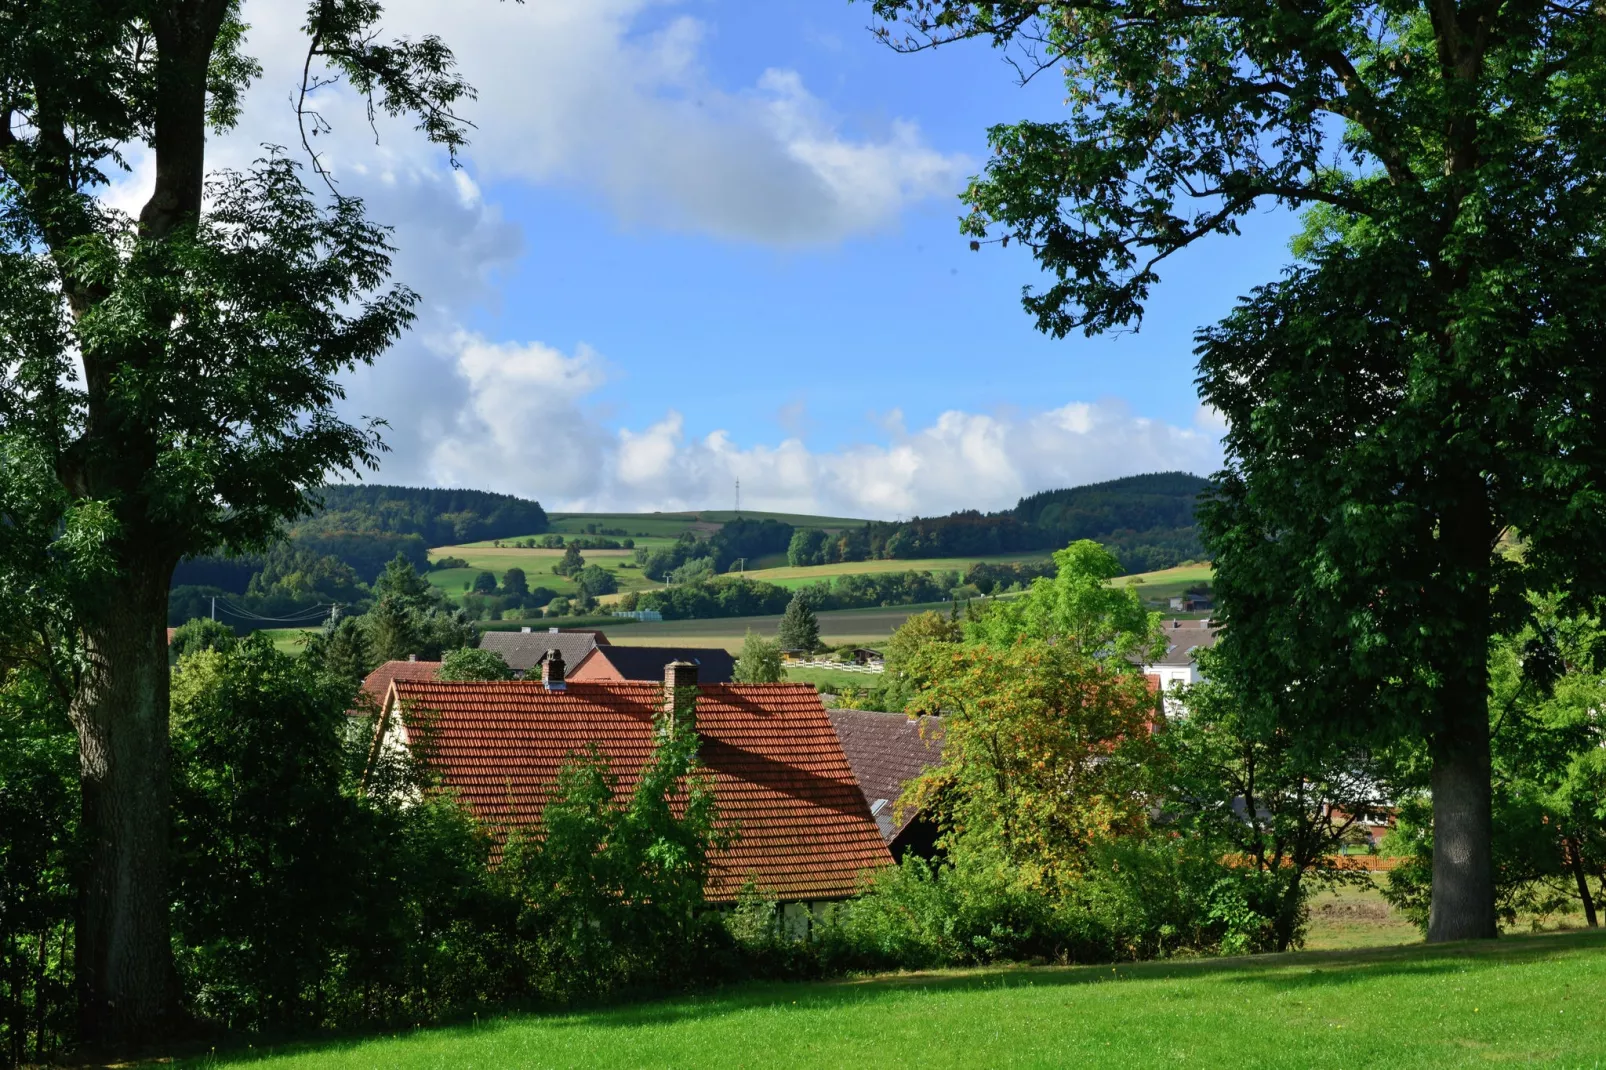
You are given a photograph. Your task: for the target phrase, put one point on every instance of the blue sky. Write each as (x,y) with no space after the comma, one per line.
(705,240)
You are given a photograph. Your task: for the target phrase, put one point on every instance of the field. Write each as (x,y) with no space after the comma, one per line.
(789,576)
(1526,999)
(837,626)
(537,566)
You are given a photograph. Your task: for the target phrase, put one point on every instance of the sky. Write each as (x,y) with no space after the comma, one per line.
(699,241)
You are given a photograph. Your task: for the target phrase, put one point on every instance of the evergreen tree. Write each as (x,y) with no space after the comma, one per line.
(800,628)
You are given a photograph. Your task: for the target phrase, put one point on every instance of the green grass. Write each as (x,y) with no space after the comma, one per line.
(702,521)
(288,640)
(832,679)
(796,576)
(537,566)
(1530,1000)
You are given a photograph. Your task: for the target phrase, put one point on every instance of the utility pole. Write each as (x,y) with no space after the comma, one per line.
(214,607)
(738,499)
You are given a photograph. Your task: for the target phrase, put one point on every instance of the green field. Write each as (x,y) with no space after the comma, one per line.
(832,679)
(537,566)
(790,576)
(837,626)
(1530,1000)
(701,521)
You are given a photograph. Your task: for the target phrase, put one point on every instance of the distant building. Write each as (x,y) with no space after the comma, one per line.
(639,614)
(778,772)
(525,649)
(886,751)
(376,685)
(714,664)
(1179,665)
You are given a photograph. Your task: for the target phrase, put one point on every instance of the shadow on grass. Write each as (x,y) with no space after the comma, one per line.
(1293,970)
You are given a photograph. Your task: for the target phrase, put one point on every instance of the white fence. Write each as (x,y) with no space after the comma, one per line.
(838,665)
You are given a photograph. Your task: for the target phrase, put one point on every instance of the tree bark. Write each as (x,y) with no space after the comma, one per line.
(1575,861)
(125,976)
(1463,824)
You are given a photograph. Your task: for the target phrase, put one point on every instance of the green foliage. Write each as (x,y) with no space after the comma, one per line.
(572,562)
(799,629)
(1078,606)
(299,900)
(1549,802)
(485,583)
(1279,802)
(759,662)
(203,633)
(515,583)
(38,826)
(440,517)
(594,581)
(471,663)
(612,891)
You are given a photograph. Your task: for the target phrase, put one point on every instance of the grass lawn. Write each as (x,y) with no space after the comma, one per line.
(1531,1000)
(831,679)
(288,640)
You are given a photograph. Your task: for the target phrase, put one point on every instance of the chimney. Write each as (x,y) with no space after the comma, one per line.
(552,671)
(412,657)
(552,631)
(680,690)
(525,629)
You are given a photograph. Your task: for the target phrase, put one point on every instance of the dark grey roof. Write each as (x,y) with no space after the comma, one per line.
(886,751)
(524,651)
(714,665)
(1183,637)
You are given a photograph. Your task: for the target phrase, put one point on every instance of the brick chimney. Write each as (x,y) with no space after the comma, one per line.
(552,671)
(680,690)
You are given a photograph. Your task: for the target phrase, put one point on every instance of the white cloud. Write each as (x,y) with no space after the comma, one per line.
(574,93)
(530,433)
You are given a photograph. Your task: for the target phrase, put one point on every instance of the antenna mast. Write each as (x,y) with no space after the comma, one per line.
(738,498)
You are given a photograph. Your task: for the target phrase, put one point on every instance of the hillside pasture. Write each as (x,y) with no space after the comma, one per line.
(797,576)
(837,627)
(1523,999)
(537,566)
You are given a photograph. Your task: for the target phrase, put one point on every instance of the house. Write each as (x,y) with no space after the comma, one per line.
(525,649)
(714,665)
(376,685)
(1178,665)
(780,779)
(886,751)
(865,656)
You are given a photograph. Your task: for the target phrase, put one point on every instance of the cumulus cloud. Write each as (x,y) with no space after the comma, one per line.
(961,460)
(575,93)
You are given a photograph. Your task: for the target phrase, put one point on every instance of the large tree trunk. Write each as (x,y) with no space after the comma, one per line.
(1463,826)
(126,981)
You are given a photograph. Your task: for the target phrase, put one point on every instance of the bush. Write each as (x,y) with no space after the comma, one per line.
(470,663)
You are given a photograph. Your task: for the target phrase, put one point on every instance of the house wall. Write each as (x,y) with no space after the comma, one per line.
(593,669)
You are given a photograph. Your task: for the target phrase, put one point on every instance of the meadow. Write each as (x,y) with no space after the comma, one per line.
(1527,999)
(837,627)
(797,576)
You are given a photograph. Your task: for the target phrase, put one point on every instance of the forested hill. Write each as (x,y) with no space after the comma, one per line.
(365,525)
(440,516)
(1147,520)
(1135,503)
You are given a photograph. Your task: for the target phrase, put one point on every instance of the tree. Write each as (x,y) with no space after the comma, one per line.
(806,548)
(1045,751)
(572,562)
(759,662)
(1283,802)
(471,663)
(210,331)
(1407,394)
(514,583)
(594,580)
(1078,606)
(485,583)
(800,628)
(202,633)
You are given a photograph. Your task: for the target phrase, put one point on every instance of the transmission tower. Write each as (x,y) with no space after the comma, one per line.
(738,499)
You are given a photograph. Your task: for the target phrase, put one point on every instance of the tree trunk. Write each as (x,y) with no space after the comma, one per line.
(1463,825)
(126,982)
(1575,861)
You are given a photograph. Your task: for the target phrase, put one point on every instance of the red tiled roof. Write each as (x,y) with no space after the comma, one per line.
(886,751)
(778,771)
(376,685)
